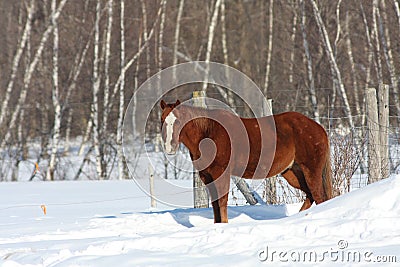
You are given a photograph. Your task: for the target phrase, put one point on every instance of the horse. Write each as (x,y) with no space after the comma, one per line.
(222,144)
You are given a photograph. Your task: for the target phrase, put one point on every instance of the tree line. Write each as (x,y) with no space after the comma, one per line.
(69,68)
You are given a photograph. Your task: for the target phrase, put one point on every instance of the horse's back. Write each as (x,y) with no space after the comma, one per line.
(310,139)
(299,123)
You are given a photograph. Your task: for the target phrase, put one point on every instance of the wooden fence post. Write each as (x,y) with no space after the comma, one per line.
(374,159)
(151,180)
(200,194)
(383,104)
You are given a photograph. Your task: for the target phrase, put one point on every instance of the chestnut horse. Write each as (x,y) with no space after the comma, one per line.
(222,144)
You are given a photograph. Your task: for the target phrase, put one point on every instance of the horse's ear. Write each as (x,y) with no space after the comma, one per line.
(177,102)
(163,104)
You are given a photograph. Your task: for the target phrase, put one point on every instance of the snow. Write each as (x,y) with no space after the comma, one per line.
(106,223)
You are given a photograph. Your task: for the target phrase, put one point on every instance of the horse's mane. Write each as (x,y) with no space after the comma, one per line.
(202,119)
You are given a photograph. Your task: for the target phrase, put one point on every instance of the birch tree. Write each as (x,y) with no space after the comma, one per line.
(310,74)
(387,48)
(349,48)
(107,67)
(375,37)
(370,48)
(225,52)
(269,49)
(29,72)
(121,109)
(145,37)
(100,166)
(211,32)
(17,57)
(292,40)
(176,36)
(336,75)
(55,98)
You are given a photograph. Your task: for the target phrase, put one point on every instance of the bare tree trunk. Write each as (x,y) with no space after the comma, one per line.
(101,172)
(56,100)
(311,85)
(146,37)
(397,90)
(29,72)
(89,127)
(338,27)
(397,10)
(370,49)
(211,32)
(387,48)
(292,40)
(375,36)
(352,64)
(79,60)
(230,95)
(107,67)
(176,37)
(269,51)
(121,173)
(17,57)
(337,79)
(161,36)
(136,86)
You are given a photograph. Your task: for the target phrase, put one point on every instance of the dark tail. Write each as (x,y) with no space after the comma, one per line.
(327,175)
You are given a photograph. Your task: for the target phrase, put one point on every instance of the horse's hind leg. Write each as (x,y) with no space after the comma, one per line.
(313,177)
(295,178)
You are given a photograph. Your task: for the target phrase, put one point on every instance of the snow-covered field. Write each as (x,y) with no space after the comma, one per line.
(109,223)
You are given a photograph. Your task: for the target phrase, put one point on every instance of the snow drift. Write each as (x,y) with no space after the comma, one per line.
(108,223)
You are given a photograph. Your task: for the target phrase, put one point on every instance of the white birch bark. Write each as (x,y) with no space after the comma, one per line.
(29,72)
(96,89)
(387,48)
(86,136)
(337,79)
(269,49)
(370,49)
(223,34)
(292,40)
(338,27)
(136,86)
(352,64)
(55,98)
(17,58)
(230,95)
(146,37)
(135,57)
(375,37)
(311,85)
(107,66)
(161,35)
(176,36)
(397,10)
(121,96)
(211,33)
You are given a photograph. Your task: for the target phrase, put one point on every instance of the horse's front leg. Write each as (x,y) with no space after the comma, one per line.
(223,207)
(213,194)
(219,190)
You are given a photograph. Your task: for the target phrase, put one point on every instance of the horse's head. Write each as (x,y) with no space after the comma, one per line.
(170,126)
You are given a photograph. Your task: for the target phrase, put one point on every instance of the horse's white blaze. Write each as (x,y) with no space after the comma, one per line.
(169,120)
